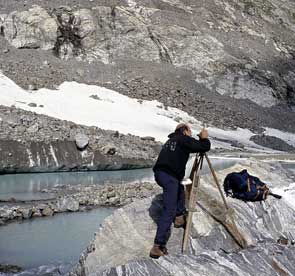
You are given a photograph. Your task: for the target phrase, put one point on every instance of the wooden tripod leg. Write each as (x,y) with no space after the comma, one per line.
(231,227)
(192,203)
(216,180)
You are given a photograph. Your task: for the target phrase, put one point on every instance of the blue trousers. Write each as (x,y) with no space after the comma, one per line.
(173,204)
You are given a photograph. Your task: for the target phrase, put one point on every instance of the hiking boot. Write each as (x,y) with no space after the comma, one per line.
(179,221)
(158,251)
(164,249)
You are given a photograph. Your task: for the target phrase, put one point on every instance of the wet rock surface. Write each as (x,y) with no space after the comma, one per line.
(34,143)
(122,244)
(229,63)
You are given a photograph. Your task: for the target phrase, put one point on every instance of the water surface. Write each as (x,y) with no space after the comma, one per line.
(57,240)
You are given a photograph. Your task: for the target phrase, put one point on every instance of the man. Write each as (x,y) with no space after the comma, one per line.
(169,171)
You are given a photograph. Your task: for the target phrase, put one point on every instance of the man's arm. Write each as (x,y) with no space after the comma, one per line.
(193,145)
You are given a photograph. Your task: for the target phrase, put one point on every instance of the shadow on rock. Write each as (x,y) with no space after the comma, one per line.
(155,210)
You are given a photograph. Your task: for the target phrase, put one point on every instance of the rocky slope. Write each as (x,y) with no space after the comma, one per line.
(230,63)
(122,243)
(36,143)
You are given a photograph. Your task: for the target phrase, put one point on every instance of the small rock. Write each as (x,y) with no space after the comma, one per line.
(111,194)
(48,212)
(148,138)
(114,200)
(26,213)
(5,51)
(109,150)
(32,87)
(33,129)
(95,97)
(32,105)
(116,134)
(37,213)
(237,144)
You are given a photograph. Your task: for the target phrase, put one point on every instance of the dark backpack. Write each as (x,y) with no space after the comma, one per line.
(235,182)
(244,186)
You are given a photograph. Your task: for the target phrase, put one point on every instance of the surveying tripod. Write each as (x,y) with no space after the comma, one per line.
(192,191)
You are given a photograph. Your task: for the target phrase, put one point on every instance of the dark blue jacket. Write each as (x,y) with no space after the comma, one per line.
(175,153)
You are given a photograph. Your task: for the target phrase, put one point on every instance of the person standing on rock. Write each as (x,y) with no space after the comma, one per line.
(169,171)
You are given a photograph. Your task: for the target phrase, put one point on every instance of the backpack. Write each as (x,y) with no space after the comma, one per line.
(235,182)
(242,185)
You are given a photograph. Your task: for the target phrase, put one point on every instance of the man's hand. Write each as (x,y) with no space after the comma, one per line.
(204,134)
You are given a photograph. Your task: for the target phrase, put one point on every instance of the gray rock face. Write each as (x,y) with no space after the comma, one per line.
(34,28)
(122,244)
(77,32)
(243,49)
(223,62)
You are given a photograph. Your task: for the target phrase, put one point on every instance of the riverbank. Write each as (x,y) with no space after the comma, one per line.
(78,198)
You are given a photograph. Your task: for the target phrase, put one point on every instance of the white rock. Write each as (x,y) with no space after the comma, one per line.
(82,140)
(67,204)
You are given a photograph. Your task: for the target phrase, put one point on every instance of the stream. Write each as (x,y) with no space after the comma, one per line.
(52,245)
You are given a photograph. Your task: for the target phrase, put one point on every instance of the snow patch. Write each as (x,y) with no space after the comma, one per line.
(92,105)
(287,193)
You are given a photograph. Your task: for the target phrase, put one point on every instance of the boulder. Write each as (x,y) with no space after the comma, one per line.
(82,141)
(26,212)
(33,28)
(272,142)
(37,213)
(48,212)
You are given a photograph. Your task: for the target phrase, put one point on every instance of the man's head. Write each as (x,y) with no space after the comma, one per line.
(184,129)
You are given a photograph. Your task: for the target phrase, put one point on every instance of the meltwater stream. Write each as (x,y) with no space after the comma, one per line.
(51,245)
(30,186)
